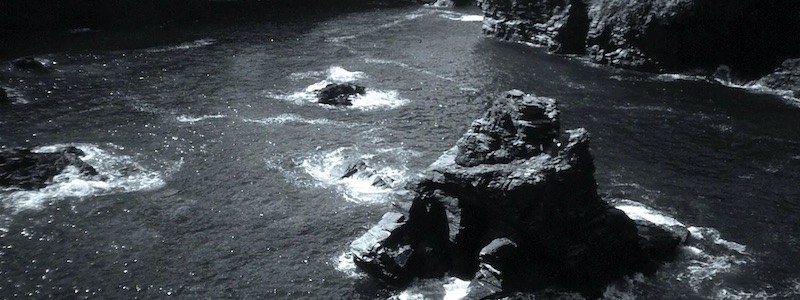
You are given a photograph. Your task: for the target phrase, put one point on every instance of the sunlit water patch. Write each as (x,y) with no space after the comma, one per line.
(116,174)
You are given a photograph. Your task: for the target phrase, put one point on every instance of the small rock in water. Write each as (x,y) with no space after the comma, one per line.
(30,63)
(28,170)
(339,93)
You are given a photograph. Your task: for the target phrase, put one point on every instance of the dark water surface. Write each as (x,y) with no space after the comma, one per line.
(221,171)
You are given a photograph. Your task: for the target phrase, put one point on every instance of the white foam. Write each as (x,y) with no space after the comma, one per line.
(345,264)
(378,99)
(117,174)
(372,100)
(456,289)
(328,168)
(291,118)
(193,119)
(185,46)
(408,295)
(462,18)
(339,74)
(641,212)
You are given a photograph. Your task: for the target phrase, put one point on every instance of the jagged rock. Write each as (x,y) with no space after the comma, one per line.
(785,77)
(339,93)
(513,206)
(31,63)
(751,36)
(28,170)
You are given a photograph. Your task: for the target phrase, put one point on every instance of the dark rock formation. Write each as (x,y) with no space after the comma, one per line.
(31,63)
(339,93)
(751,36)
(514,207)
(785,77)
(28,170)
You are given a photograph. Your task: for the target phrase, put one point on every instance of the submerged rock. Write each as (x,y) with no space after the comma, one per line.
(28,170)
(514,207)
(339,93)
(751,36)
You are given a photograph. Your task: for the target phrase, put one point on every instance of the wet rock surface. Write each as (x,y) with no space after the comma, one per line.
(751,36)
(24,169)
(513,207)
(340,93)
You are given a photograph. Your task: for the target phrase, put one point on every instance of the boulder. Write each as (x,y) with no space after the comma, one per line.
(339,93)
(514,207)
(24,169)
(751,36)
(31,64)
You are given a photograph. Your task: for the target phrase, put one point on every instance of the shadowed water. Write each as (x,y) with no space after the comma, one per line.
(225,169)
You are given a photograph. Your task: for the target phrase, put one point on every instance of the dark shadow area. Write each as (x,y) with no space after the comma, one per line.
(29,27)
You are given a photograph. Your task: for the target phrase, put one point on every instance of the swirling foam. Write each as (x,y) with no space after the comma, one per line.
(117,174)
(327,170)
(373,99)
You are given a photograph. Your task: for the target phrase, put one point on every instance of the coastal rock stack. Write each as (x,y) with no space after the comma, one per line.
(751,36)
(513,207)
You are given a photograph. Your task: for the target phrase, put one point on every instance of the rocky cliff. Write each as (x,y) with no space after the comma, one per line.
(751,36)
(513,207)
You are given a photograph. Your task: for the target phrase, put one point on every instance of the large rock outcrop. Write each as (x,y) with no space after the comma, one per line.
(751,36)
(340,93)
(24,169)
(514,207)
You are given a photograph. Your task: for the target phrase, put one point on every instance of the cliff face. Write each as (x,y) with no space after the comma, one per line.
(513,207)
(751,36)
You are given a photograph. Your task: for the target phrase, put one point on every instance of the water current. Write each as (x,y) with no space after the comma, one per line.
(221,173)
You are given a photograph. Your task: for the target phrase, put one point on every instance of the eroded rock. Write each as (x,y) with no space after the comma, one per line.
(514,207)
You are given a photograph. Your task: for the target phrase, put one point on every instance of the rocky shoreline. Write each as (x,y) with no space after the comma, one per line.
(749,36)
(514,207)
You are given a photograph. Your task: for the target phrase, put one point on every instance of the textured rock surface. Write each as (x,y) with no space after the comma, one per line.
(513,207)
(785,77)
(339,93)
(28,170)
(751,36)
